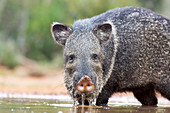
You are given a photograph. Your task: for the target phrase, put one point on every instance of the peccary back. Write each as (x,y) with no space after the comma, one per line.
(124,49)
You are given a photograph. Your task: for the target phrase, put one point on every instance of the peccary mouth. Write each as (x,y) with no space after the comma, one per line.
(85,96)
(89,96)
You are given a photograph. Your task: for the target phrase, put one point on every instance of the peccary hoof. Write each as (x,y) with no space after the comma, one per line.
(101,103)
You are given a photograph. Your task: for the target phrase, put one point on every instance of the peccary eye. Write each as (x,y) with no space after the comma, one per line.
(95,57)
(71,58)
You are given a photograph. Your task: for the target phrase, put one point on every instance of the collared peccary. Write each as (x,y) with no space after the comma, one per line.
(124,49)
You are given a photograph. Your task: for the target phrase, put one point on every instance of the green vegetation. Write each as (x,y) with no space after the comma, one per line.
(9,54)
(25,26)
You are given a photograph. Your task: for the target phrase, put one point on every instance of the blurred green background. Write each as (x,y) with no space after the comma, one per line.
(25,26)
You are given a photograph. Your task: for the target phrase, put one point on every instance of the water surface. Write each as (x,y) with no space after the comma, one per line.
(18,105)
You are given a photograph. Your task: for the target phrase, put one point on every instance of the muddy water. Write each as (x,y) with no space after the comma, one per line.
(17,105)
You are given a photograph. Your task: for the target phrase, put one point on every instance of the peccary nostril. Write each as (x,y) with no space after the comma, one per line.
(85,85)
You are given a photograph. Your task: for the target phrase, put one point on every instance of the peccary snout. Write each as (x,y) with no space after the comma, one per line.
(85,85)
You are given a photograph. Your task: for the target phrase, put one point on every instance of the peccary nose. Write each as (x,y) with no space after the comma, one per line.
(85,85)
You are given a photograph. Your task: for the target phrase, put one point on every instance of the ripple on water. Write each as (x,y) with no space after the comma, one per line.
(18,105)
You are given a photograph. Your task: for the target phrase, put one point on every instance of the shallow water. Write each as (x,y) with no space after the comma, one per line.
(17,105)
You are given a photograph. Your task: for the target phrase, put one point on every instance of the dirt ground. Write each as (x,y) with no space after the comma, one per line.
(24,80)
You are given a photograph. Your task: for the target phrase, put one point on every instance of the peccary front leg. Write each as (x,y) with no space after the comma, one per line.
(146,95)
(104,96)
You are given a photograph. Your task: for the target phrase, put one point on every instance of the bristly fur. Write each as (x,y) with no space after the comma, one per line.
(135,58)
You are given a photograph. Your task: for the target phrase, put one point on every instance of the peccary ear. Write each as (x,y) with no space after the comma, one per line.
(103,32)
(60,32)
